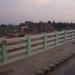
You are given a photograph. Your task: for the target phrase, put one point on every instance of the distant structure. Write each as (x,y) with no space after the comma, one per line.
(38,27)
(33,28)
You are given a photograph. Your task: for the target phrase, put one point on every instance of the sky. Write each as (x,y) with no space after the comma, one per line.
(18,11)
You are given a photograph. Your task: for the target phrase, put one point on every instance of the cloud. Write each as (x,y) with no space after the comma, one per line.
(20,10)
(41,2)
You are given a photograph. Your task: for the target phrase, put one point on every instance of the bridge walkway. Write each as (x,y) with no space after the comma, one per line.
(30,65)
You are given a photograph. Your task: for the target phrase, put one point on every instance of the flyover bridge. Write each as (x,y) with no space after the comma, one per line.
(26,55)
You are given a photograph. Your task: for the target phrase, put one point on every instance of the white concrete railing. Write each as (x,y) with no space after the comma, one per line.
(18,48)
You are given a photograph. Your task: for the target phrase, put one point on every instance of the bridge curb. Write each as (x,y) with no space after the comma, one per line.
(55,64)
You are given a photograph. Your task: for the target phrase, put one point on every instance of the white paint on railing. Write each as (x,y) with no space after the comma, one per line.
(69,31)
(4,49)
(33,44)
(45,40)
(61,32)
(60,40)
(12,40)
(36,36)
(62,36)
(69,38)
(37,47)
(51,34)
(29,44)
(15,46)
(37,41)
(56,36)
(52,38)
(50,43)
(17,52)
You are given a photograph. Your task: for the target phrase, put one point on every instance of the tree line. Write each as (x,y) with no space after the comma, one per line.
(35,27)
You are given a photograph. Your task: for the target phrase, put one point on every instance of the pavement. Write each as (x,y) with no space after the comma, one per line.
(67,68)
(30,65)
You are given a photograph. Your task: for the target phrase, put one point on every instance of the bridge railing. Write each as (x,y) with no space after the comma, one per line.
(18,48)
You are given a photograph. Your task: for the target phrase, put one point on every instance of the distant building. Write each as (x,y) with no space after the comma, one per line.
(31,27)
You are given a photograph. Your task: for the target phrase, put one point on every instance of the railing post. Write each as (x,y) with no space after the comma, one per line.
(4,50)
(72,34)
(1,53)
(65,36)
(28,44)
(56,35)
(45,40)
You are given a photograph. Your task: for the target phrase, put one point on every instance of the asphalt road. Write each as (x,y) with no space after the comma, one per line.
(67,68)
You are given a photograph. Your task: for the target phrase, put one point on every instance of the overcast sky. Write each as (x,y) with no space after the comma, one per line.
(16,11)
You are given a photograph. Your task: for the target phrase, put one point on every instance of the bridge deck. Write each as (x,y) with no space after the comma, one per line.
(30,65)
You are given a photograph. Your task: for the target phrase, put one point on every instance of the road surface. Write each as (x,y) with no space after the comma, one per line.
(67,68)
(29,66)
